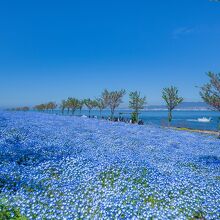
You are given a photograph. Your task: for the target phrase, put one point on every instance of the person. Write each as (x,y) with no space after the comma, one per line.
(141,122)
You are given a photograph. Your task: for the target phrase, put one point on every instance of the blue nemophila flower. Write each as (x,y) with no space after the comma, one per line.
(57,167)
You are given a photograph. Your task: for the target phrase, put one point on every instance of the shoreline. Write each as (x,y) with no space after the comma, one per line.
(209,132)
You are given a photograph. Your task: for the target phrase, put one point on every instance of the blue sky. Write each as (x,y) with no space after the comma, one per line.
(50,50)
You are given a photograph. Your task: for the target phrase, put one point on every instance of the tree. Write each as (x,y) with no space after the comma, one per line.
(51,106)
(210,92)
(136,103)
(25,108)
(40,107)
(170,95)
(105,97)
(47,106)
(68,105)
(63,105)
(113,99)
(90,104)
(80,106)
(101,104)
(73,104)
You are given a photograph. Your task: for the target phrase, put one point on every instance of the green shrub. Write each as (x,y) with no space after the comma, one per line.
(134,117)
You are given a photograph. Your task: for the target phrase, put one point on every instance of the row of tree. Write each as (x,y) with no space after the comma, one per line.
(50,106)
(23,108)
(112,100)
(209,92)
(108,99)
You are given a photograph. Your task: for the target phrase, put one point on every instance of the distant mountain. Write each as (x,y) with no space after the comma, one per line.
(182,106)
(193,105)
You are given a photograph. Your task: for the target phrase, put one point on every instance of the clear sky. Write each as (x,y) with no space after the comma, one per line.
(52,49)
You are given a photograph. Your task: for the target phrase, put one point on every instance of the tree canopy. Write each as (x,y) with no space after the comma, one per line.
(210,92)
(136,103)
(172,99)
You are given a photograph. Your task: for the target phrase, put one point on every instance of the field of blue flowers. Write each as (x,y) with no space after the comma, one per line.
(62,167)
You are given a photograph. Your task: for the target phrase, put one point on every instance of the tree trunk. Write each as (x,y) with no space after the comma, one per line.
(219,127)
(170,116)
(112,113)
(137,116)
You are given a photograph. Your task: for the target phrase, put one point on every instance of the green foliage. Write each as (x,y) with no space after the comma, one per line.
(63,105)
(80,105)
(90,104)
(73,104)
(46,106)
(152,200)
(8,213)
(197,216)
(210,92)
(192,166)
(40,107)
(108,178)
(136,103)
(51,106)
(172,99)
(24,108)
(134,117)
(217,178)
(101,104)
(113,99)
(105,97)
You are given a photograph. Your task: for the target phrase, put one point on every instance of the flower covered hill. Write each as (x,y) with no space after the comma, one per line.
(60,167)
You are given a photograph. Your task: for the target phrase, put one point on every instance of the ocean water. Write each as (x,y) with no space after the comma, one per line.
(187,119)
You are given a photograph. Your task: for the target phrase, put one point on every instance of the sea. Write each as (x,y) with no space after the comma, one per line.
(181,118)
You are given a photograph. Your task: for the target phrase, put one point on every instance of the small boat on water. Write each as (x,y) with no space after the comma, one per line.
(204,119)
